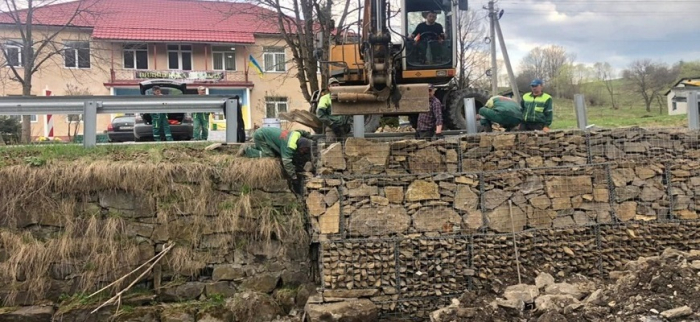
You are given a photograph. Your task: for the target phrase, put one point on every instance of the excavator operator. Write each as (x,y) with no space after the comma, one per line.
(425,35)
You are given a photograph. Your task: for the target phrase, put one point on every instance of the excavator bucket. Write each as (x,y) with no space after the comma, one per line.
(359,100)
(304,118)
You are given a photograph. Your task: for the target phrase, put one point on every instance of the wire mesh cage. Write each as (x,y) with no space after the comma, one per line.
(444,216)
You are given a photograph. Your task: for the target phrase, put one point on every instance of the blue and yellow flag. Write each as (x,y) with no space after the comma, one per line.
(254,64)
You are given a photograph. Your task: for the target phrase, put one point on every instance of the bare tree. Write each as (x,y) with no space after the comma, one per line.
(547,63)
(31,45)
(605,73)
(649,79)
(638,73)
(472,54)
(298,21)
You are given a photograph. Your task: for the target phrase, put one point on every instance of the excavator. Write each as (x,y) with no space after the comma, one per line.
(385,70)
(692,83)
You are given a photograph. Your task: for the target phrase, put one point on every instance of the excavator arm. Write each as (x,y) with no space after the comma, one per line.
(694,83)
(376,91)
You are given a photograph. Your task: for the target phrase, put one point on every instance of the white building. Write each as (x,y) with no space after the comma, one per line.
(677,96)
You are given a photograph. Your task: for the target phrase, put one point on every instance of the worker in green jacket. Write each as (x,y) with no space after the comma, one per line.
(159,121)
(201,120)
(336,126)
(502,110)
(291,145)
(537,109)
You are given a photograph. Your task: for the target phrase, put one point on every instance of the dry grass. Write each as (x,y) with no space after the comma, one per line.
(182,196)
(91,246)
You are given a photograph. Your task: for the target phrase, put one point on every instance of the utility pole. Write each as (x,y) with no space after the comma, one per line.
(506,59)
(494,67)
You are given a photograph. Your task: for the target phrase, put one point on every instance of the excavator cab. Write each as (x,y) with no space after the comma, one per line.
(429,44)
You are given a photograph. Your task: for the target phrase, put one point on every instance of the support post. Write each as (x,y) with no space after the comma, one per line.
(470,115)
(231,107)
(693,111)
(358,126)
(89,124)
(581,117)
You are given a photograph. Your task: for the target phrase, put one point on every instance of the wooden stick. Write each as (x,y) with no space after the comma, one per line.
(515,242)
(125,276)
(119,295)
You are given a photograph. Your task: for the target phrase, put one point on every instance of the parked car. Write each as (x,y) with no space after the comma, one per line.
(181,127)
(121,129)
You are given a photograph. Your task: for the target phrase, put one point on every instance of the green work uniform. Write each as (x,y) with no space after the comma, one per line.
(201,126)
(340,124)
(537,111)
(272,142)
(501,110)
(160,121)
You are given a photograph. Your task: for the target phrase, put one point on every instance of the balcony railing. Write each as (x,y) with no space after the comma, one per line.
(186,75)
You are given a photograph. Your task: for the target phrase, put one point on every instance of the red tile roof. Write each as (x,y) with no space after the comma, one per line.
(161,20)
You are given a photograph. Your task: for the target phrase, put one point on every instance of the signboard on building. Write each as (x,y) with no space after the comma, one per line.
(200,76)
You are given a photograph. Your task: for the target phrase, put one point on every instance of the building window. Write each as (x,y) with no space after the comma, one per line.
(180,57)
(77,54)
(136,56)
(224,57)
(674,106)
(274,106)
(13,53)
(274,59)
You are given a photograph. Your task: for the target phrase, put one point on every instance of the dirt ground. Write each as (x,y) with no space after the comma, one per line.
(654,289)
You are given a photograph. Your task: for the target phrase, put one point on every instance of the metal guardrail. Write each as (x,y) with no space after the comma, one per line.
(90,106)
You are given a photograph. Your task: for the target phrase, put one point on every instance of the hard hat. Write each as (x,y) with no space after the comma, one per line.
(333,80)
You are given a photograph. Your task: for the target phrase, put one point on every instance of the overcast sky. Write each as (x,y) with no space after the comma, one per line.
(614,31)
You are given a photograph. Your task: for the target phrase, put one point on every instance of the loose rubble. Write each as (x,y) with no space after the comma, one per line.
(650,289)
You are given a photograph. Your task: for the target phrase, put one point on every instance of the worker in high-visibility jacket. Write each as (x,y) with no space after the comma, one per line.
(336,126)
(502,110)
(292,146)
(537,109)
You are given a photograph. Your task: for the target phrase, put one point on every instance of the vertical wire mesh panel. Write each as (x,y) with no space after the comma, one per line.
(392,205)
(374,206)
(359,268)
(579,196)
(495,261)
(623,242)
(324,204)
(389,156)
(423,156)
(545,198)
(433,266)
(639,191)
(499,151)
(637,144)
(685,189)
(677,235)
(466,191)
(690,143)
(565,252)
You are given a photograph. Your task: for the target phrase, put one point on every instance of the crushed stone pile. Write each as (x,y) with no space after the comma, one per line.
(650,289)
